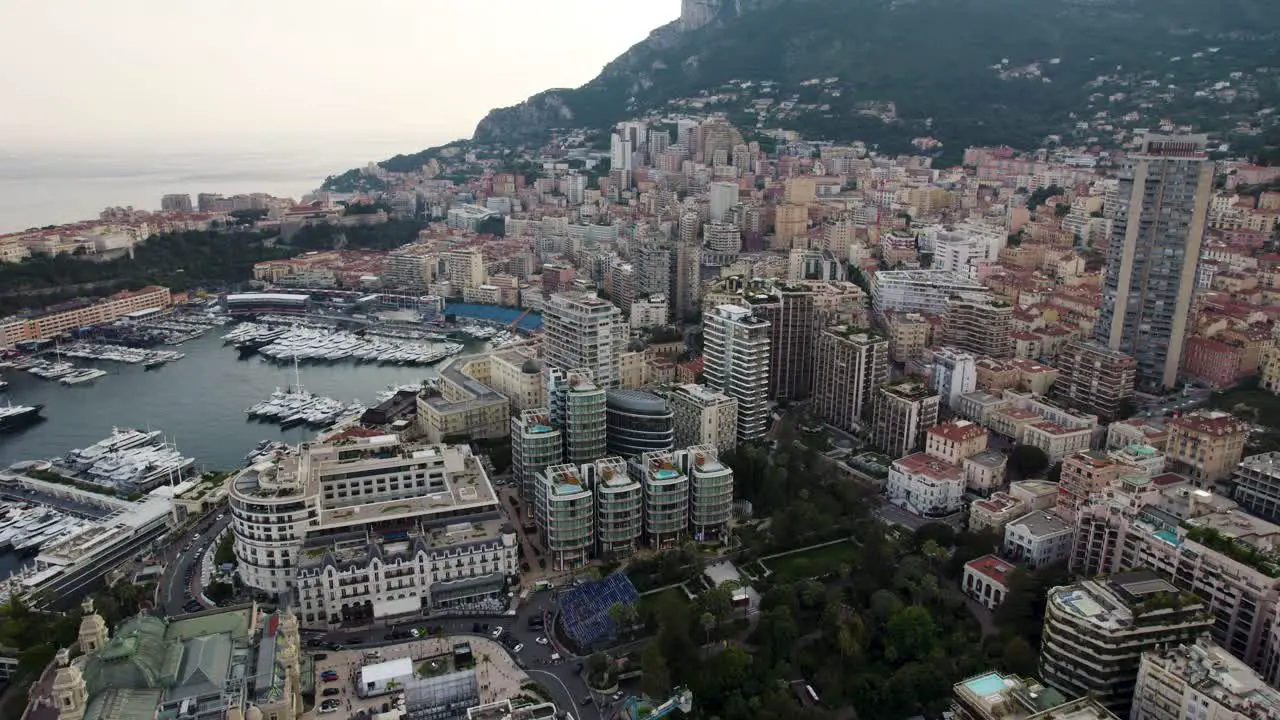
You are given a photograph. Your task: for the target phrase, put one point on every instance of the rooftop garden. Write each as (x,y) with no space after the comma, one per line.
(1264,562)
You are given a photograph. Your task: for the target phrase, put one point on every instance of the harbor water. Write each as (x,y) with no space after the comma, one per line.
(198,402)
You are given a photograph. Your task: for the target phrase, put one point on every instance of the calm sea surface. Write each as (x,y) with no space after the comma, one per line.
(51,186)
(198,402)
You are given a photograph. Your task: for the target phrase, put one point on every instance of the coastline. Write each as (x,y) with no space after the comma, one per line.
(55,186)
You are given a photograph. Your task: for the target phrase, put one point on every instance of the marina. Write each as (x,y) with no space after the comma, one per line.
(200,402)
(28,527)
(312,344)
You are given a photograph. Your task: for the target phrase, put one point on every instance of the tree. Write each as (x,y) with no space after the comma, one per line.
(219,592)
(1028,460)
(598,669)
(655,680)
(708,622)
(940,533)
(910,634)
(226,553)
(1018,657)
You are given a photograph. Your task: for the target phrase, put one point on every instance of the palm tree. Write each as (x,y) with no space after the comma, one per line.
(708,624)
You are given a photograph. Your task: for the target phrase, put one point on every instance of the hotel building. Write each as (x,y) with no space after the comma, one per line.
(365,527)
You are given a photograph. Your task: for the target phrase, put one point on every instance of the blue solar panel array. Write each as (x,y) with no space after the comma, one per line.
(492,313)
(585,609)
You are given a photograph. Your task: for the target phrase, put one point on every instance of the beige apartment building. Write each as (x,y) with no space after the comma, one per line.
(77,314)
(954,441)
(462,406)
(981,327)
(516,373)
(702,416)
(909,335)
(1095,379)
(464,269)
(901,413)
(1206,445)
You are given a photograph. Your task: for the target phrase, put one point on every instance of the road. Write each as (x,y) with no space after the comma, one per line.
(567,686)
(895,515)
(174,583)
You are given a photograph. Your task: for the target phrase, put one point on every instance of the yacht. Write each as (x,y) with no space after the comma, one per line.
(15,417)
(82,376)
(119,439)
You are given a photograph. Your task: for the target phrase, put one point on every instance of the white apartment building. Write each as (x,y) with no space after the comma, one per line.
(954,373)
(619,507)
(1038,539)
(565,515)
(702,416)
(353,524)
(710,493)
(1200,680)
(922,291)
(736,354)
(1096,631)
(578,405)
(925,485)
(721,196)
(650,312)
(583,331)
(536,444)
(957,253)
(666,499)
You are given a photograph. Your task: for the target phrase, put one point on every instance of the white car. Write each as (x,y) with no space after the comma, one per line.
(542,640)
(518,647)
(497,632)
(415,632)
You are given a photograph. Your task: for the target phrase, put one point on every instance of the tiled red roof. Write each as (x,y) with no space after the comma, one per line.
(993,567)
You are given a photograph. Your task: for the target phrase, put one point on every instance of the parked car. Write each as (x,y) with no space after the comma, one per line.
(542,640)
(497,632)
(332,691)
(518,647)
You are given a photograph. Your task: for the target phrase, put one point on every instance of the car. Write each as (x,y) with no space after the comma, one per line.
(497,632)
(584,700)
(329,678)
(328,709)
(196,536)
(332,691)
(518,647)
(542,640)
(415,632)
(329,673)
(617,696)
(220,516)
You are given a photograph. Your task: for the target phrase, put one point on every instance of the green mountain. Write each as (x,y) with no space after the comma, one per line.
(966,72)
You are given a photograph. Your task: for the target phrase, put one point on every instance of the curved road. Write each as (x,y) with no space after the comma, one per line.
(173,589)
(566,685)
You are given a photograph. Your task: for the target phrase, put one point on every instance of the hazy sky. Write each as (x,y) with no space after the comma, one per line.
(75,71)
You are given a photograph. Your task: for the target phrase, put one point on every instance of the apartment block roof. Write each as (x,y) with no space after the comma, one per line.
(928,466)
(1042,524)
(958,430)
(1211,422)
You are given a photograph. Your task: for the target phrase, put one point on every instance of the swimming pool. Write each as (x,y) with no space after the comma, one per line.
(985,685)
(666,474)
